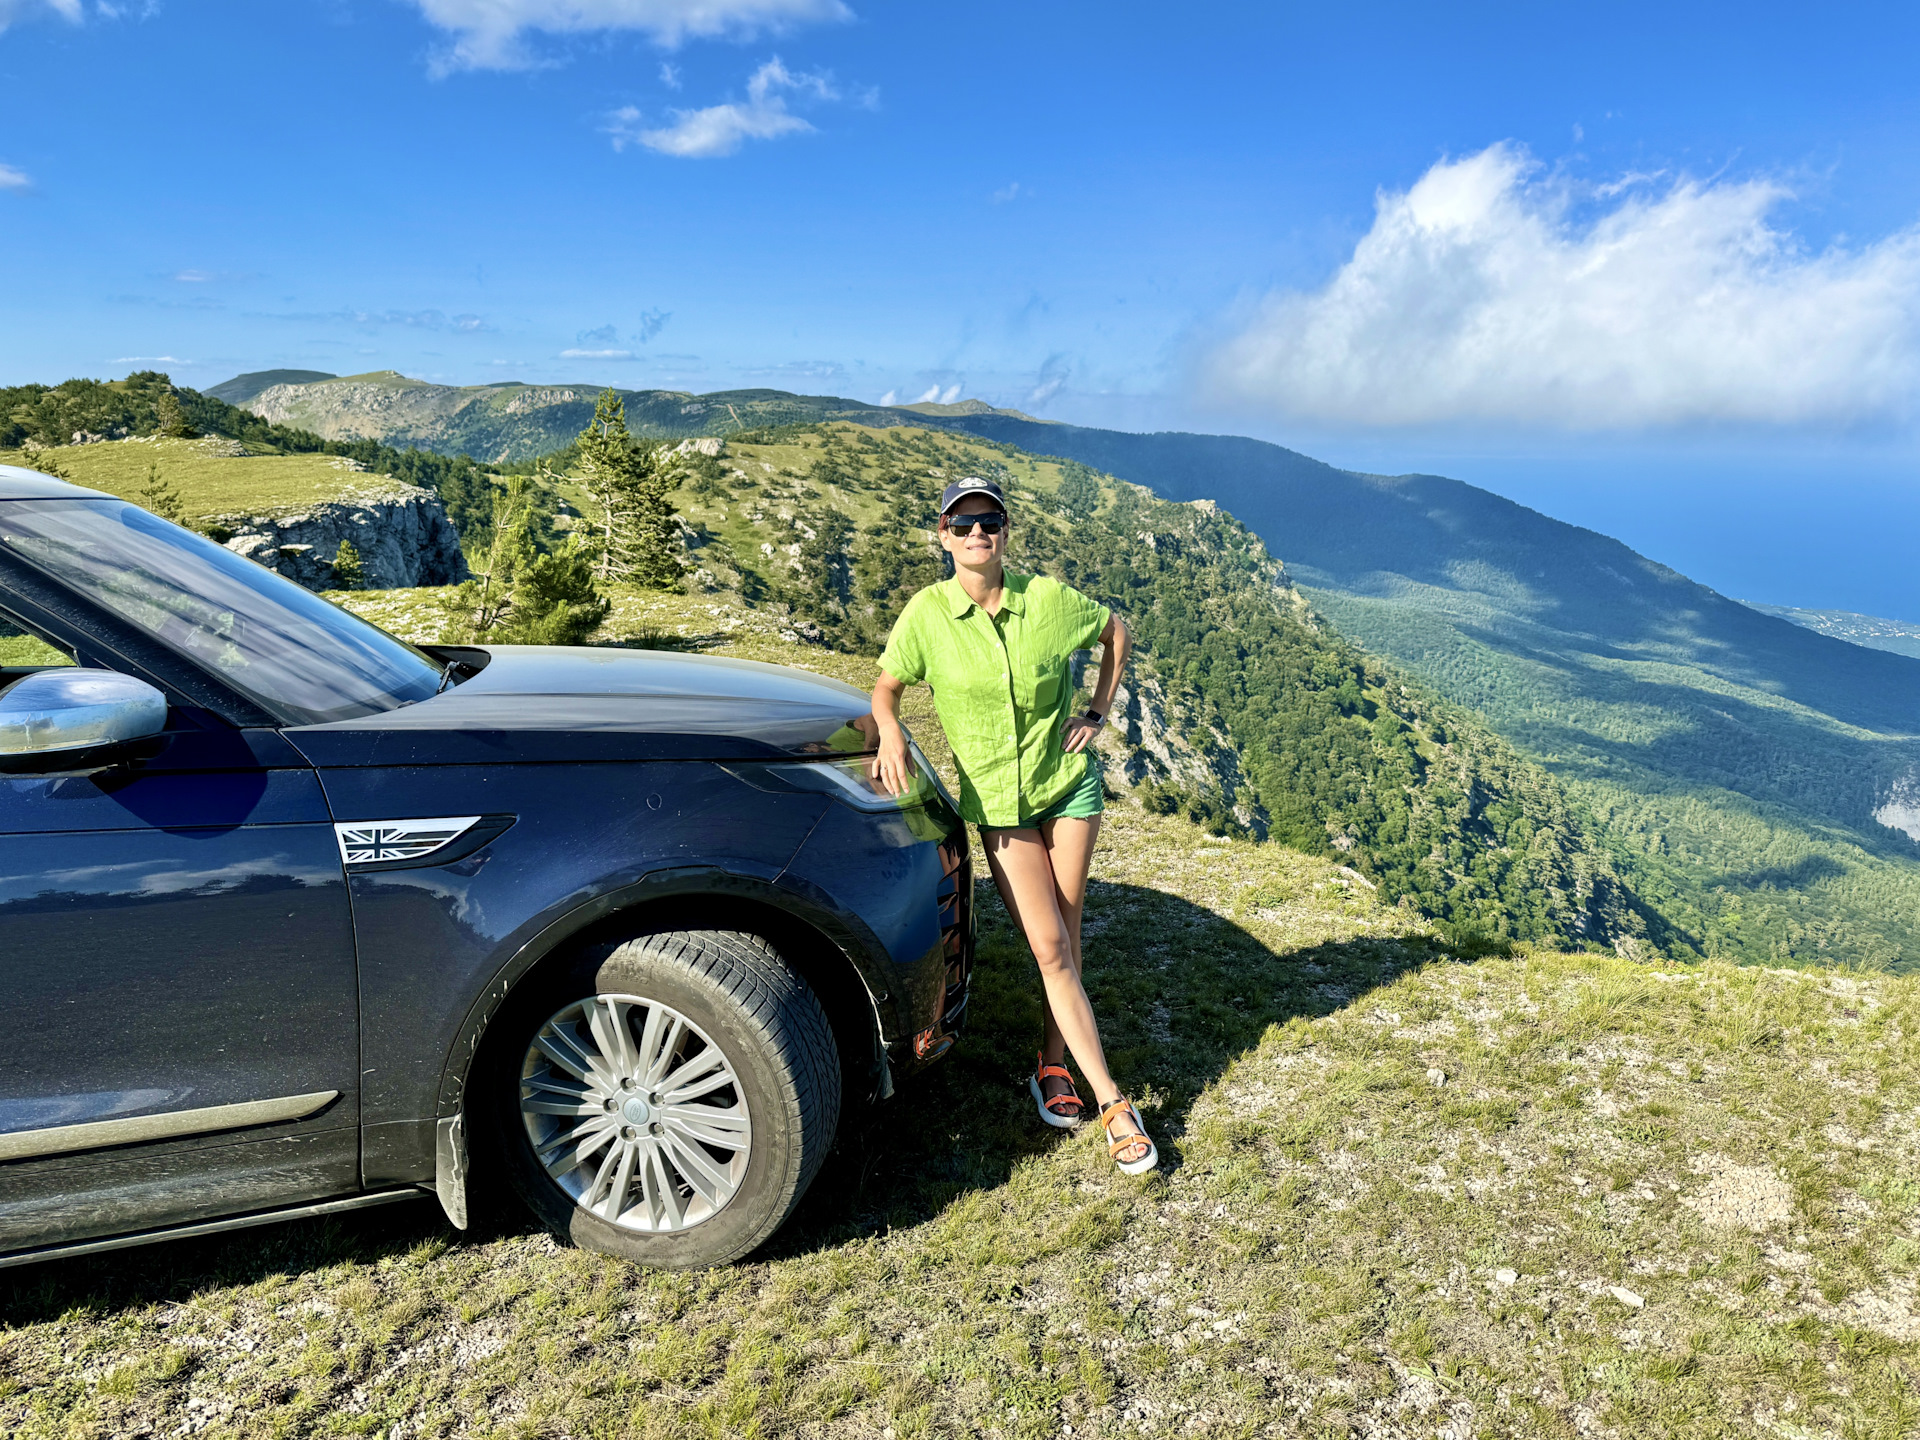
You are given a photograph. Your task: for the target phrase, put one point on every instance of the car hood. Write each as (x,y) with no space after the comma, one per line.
(547,703)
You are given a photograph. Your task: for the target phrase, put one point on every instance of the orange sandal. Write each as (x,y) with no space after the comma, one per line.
(1060,1119)
(1140,1165)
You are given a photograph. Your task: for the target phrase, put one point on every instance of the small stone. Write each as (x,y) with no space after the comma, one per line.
(1436,1077)
(1626,1297)
(1506,1277)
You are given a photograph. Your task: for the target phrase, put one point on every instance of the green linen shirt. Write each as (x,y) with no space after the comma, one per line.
(1001,687)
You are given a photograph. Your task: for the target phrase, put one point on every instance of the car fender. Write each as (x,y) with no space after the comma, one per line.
(857,945)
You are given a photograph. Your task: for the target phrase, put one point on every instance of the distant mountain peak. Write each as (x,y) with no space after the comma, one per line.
(967,407)
(242,388)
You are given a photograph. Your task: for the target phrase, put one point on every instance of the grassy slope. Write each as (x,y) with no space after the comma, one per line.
(1643,1201)
(209,482)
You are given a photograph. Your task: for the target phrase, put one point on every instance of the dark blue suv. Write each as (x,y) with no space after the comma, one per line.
(296,917)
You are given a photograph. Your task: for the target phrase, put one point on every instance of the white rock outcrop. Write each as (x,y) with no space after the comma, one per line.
(401,532)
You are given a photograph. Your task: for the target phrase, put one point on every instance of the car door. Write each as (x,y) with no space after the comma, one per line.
(176,951)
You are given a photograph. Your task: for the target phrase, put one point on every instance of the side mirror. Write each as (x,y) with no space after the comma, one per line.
(76,719)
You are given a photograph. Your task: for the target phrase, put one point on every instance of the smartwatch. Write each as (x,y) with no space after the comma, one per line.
(1093,716)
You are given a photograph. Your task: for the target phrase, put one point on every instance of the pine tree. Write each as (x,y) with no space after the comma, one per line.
(170,420)
(159,496)
(349,571)
(631,485)
(525,597)
(42,460)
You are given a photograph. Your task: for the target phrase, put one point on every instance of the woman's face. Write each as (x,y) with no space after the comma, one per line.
(978,548)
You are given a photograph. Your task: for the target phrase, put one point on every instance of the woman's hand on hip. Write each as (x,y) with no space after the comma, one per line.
(1078,735)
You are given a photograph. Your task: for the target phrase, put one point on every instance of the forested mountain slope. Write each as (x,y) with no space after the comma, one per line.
(1736,760)
(1341,755)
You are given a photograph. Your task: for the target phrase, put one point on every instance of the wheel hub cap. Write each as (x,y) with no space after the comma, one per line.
(635,1113)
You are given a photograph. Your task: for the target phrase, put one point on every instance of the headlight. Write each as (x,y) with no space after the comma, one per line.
(854,781)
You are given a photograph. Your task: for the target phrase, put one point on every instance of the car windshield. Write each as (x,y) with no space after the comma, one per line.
(294,654)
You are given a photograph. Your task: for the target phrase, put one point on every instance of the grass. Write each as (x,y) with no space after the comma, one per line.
(1402,1194)
(210,481)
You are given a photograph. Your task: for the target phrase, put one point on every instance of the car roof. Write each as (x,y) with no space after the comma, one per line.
(20,484)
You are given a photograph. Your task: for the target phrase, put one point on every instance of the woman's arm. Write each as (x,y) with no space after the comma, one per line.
(891,767)
(1116,646)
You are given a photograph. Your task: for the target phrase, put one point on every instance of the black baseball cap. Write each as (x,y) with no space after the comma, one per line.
(972,485)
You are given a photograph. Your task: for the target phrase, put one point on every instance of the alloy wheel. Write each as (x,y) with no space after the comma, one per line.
(635,1112)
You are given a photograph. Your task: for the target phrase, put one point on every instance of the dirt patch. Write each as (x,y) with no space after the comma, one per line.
(1740,1197)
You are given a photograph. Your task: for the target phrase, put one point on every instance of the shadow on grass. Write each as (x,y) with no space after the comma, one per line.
(1178,990)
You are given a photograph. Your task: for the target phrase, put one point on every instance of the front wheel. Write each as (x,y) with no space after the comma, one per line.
(667,1099)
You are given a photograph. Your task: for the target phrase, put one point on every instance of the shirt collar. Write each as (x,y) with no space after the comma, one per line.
(1013,596)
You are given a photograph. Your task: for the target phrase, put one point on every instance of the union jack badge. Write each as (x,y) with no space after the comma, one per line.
(382,842)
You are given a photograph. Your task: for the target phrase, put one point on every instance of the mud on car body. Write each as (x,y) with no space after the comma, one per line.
(296,917)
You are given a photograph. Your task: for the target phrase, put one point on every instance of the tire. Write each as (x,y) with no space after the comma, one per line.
(655,1190)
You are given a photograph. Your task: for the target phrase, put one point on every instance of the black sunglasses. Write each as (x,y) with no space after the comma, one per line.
(990,523)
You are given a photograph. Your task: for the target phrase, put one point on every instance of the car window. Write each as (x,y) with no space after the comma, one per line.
(296,655)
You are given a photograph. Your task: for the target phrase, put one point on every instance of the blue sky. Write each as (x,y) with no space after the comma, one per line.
(1652,269)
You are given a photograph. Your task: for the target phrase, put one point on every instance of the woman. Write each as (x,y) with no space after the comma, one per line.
(995,649)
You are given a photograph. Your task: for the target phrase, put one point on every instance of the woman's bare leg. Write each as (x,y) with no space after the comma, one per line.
(1070,852)
(1023,872)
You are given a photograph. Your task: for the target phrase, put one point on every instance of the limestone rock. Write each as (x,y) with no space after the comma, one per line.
(401,531)
(1154,736)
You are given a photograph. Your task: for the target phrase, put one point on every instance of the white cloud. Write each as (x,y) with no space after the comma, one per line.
(150,360)
(12,179)
(1491,292)
(489,34)
(932,395)
(13,10)
(596,355)
(719,129)
(1009,193)
(669,75)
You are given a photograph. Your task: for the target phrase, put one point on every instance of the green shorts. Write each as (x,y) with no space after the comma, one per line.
(1083,802)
